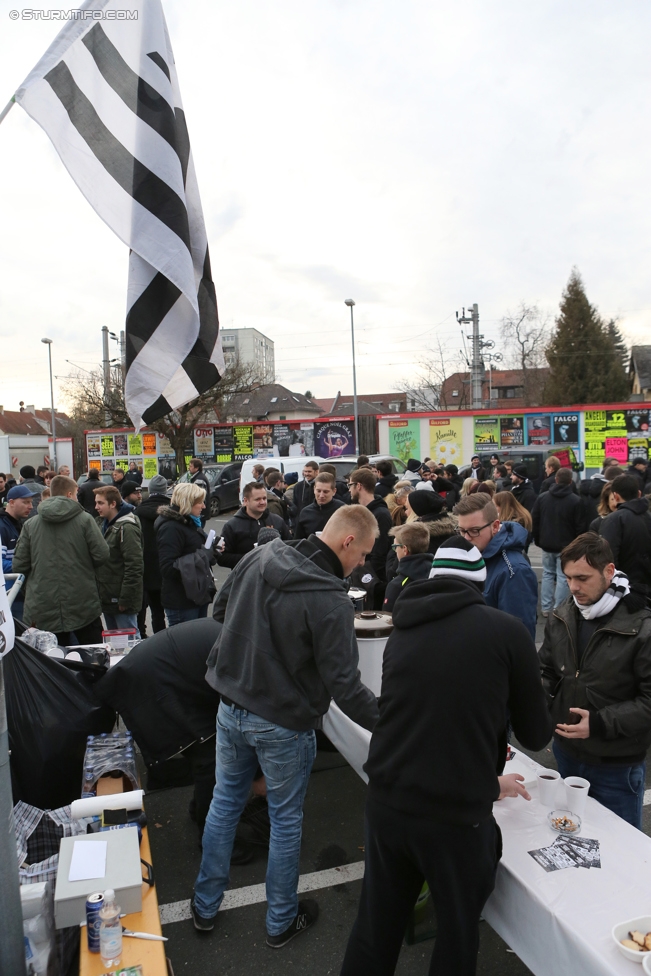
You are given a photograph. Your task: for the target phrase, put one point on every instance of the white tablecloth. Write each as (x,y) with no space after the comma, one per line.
(559,923)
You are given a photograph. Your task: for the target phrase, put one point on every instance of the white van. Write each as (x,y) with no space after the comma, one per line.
(344,465)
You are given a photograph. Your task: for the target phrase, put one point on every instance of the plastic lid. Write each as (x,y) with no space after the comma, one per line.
(372,623)
(109,895)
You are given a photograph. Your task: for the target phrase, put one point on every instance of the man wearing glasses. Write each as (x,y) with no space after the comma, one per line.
(511,584)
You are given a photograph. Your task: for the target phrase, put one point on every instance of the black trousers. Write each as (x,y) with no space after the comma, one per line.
(151,599)
(457,861)
(88,634)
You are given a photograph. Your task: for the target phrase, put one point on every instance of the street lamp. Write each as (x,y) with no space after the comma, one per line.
(48,343)
(350,303)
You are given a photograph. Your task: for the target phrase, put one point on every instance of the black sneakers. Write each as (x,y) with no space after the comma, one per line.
(308,912)
(201,924)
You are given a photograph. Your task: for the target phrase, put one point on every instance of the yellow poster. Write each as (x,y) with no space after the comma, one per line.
(446,440)
(135,445)
(150,467)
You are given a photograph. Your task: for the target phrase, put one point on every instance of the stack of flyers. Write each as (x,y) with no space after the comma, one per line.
(568,852)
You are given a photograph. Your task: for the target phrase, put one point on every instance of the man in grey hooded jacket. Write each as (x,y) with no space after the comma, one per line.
(287,646)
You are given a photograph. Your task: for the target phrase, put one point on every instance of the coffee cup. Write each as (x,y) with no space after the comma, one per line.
(548,780)
(576,794)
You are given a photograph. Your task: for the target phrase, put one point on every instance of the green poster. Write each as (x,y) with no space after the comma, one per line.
(242,443)
(487,433)
(107,445)
(404,439)
(135,445)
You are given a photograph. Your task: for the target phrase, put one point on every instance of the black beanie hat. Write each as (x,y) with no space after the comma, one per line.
(413,465)
(425,503)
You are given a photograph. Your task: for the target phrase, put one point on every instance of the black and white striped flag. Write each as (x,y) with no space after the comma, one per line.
(107,95)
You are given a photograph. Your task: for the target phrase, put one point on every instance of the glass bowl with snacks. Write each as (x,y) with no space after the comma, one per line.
(633,939)
(564,822)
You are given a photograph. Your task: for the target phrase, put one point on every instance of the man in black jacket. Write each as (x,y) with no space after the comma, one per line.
(286,648)
(386,480)
(628,531)
(552,465)
(522,488)
(362,492)
(304,491)
(414,561)
(86,492)
(313,518)
(446,691)
(596,671)
(147,512)
(240,534)
(558,517)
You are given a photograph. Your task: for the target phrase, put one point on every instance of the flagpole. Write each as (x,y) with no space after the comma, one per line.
(7,107)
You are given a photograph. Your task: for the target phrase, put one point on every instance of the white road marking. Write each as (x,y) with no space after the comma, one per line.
(179,911)
(647,798)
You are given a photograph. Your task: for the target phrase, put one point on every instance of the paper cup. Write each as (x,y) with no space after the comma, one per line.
(576,794)
(548,781)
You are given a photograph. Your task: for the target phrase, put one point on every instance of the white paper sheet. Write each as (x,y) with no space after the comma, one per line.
(88,860)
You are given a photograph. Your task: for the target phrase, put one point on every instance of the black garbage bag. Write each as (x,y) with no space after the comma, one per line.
(51,709)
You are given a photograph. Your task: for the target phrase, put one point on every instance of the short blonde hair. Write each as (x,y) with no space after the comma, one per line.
(413,535)
(62,485)
(186,495)
(352,520)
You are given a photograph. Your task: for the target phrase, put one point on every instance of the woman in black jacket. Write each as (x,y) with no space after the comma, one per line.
(179,533)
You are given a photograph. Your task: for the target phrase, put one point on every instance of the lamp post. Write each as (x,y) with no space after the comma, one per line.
(350,303)
(48,343)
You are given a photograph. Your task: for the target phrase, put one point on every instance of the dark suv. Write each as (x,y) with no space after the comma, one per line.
(224,486)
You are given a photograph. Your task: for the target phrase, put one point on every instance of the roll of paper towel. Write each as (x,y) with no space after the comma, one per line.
(92,806)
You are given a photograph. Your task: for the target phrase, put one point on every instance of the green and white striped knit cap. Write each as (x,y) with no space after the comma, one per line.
(458,557)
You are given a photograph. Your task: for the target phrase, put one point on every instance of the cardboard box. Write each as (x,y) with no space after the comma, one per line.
(123,874)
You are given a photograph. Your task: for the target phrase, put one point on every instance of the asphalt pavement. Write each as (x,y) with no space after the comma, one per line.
(332,839)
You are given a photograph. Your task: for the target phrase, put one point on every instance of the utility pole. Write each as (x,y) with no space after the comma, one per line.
(476,363)
(106,369)
(349,302)
(48,343)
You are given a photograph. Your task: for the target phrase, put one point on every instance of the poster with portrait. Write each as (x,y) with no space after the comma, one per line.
(108,449)
(149,444)
(302,440)
(512,431)
(539,429)
(121,445)
(487,433)
(108,464)
(223,444)
(637,422)
(135,445)
(566,428)
(263,445)
(404,439)
(243,442)
(446,440)
(204,443)
(93,445)
(282,437)
(334,439)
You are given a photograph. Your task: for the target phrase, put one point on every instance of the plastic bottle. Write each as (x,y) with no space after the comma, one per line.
(110,932)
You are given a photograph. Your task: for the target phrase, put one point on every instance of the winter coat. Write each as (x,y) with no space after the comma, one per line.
(590,492)
(478,473)
(176,535)
(288,643)
(86,495)
(558,517)
(9,532)
(612,680)
(385,485)
(60,551)
(551,480)
(411,569)
(120,580)
(38,486)
(240,535)
(302,496)
(133,476)
(452,663)
(313,518)
(628,530)
(202,480)
(511,584)
(378,554)
(147,512)
(161,692)
(441,527)
(448,490)
(277,505)
(525,494)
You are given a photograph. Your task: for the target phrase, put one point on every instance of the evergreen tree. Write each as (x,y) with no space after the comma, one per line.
(585,365)
(619,343)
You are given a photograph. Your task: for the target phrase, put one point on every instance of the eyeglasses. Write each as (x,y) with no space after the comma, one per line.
(475,531)
(398,545)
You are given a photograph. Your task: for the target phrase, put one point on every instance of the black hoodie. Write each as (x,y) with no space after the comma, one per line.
(628,530)
(452,669)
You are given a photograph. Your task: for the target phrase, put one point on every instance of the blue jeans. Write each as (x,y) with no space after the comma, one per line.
(122,621)
(554,587)
(286,757)
(181,616)
(619,788)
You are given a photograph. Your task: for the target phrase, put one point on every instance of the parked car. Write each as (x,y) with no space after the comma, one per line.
(224,486)
(344,465)
(106,477)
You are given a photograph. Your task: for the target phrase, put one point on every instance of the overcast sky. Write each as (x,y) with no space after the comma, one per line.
(416,157)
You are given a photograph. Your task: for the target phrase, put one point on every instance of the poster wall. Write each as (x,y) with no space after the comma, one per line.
(446,440)
(334,439)
(404,439)
(487,433)
(243,443)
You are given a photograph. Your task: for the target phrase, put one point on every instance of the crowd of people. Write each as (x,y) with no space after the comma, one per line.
(448,557)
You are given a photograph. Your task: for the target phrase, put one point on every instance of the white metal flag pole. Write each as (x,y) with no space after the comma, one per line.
(7,108)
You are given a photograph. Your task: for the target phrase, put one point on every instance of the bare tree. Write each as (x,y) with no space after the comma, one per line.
(526,334)
(90,408)
(428,390)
